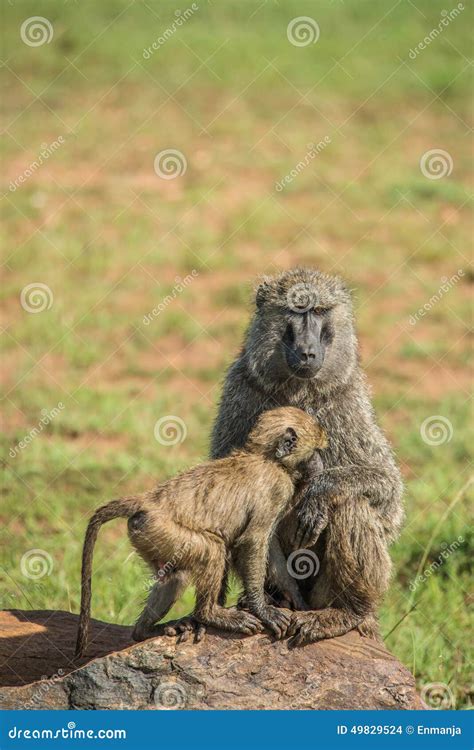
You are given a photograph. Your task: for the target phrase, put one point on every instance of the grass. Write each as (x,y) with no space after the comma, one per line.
(109,237)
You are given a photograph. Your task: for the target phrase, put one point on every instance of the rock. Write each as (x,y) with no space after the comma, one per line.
(222,672)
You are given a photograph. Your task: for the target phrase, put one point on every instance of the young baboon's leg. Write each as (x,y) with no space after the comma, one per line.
(225,584)
(280,580)
(281,589)
(208,582)
(183,627)
(160,600)
(250,559)
(356,574)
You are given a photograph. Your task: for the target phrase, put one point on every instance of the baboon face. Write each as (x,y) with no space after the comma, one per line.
(306,337)
(304,327)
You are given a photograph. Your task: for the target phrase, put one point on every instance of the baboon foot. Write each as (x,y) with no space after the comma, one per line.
(185,627)
(233,620)
(180,629)
(304,628)
(276,620)
(310,627)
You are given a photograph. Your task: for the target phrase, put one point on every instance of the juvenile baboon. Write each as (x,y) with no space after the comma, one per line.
(221,511)
(301,349)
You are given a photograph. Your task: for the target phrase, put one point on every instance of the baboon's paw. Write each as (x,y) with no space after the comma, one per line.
(276,620)
(248,624)
(182,629)
(304,631)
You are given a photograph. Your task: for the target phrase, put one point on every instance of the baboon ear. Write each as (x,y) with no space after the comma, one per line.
(263,290)
(287,443)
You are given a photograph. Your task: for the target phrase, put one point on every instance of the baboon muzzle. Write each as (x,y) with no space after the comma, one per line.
(304,344)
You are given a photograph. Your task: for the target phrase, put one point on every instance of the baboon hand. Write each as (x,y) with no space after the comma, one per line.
(312,518)
(314,466)
(276,620)
(304,628)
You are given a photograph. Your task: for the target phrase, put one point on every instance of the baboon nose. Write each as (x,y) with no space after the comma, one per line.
(307,355)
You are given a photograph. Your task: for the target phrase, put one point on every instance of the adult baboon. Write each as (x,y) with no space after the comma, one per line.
(301,349)
(221,511)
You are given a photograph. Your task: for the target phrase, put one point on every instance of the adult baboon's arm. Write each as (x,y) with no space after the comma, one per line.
(366,469)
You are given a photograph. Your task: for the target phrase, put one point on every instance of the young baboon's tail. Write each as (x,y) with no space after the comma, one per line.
(122,508)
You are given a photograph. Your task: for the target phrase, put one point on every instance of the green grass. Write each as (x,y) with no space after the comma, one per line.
(109,237)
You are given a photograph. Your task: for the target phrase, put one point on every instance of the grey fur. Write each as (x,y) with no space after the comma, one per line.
(359,490)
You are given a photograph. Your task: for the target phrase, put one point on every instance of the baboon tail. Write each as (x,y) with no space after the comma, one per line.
(122,508)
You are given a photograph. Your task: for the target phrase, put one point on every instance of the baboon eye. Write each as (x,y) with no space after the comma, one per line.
(319,310)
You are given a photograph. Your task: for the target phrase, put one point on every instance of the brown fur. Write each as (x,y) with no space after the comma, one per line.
(222,510)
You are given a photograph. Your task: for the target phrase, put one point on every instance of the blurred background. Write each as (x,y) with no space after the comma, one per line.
(157,159)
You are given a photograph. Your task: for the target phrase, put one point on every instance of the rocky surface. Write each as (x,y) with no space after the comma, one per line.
(37,670)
